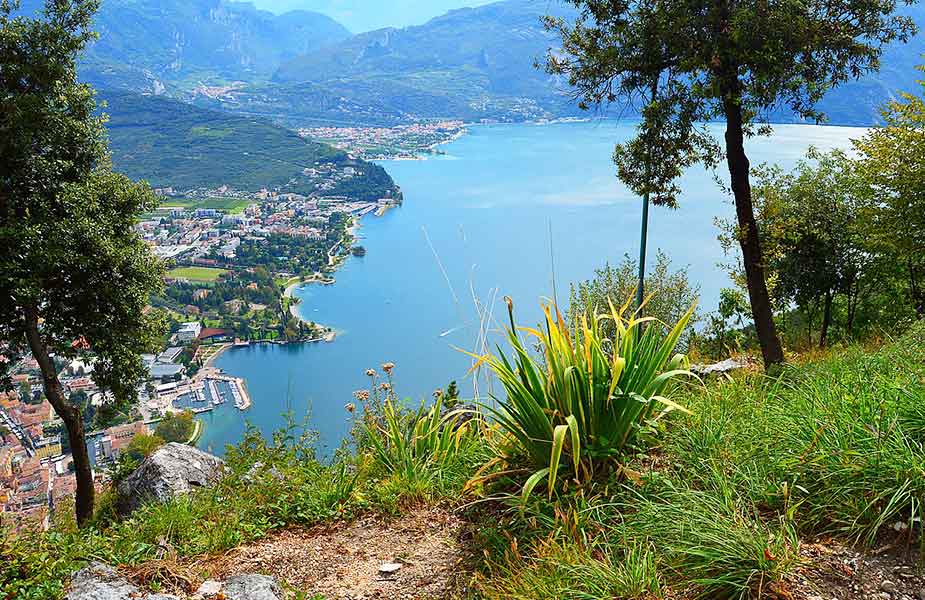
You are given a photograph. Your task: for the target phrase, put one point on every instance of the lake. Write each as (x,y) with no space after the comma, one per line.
(504,209)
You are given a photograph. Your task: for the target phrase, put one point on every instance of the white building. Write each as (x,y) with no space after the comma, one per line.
(189,331)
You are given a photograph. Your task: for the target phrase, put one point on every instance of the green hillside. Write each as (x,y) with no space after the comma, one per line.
(173,144)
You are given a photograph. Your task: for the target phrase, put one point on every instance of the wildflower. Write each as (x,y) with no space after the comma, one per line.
(438,393)
(387,367)
(351,407)
(370,372)
(361,395)
(384,385)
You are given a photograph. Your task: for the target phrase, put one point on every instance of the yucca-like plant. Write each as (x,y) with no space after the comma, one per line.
(586,401)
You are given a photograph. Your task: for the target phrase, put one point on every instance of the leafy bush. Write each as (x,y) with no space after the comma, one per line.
(670,292)
(586,404)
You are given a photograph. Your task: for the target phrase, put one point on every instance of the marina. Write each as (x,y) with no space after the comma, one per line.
(209,389)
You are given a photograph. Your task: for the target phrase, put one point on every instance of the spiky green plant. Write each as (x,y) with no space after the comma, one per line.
(417,446)
(588,399)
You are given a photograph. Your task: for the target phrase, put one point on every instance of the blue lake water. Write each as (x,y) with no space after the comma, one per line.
(476,225)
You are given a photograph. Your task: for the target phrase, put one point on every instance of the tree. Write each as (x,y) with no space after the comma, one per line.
(75,276)
(813,228)
(176,427)
(693,61)
(142,446)
(892,162)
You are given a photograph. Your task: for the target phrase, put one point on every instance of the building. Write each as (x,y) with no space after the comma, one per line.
(116,439)
(189,332)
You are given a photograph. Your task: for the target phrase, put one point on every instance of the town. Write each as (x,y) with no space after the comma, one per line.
(404,142)
(36,470)
(230,255)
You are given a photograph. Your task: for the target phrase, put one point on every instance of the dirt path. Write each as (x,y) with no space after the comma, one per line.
(831,571)
(344,562)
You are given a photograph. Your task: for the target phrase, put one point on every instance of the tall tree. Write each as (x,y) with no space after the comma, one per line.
(74,275)
(733,60)
(813,227)
(893,162)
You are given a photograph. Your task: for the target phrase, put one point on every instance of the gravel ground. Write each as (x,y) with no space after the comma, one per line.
(344,562)
(835,572)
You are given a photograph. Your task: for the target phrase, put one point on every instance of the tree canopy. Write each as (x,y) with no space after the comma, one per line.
(76,278)
(687,62)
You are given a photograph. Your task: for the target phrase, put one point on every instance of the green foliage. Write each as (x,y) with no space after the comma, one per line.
(834,447)
(671,293)
(281,477)
(164,142)
(420,449)
(176,427)
(426,453)
(77,258)
(891,162)
(584,407)
(690,63)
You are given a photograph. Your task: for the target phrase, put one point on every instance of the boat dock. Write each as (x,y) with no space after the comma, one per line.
(210,390)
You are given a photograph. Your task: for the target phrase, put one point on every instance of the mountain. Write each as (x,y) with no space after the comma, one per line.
(469,63)
(174,45)
(363,15)
(479,63)
(303,69)
(172,144)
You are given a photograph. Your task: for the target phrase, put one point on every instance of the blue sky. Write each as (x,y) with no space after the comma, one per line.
(364,15)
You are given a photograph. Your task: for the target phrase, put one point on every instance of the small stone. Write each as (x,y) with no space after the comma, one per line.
(209,588)
(389,568)
(888,586)
(920,594)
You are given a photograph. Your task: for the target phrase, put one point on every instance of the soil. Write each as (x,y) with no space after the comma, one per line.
(344,562)
(831,571)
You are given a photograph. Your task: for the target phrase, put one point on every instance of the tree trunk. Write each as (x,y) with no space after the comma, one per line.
(70,414)
(918,295)
(758,294)
(826,320)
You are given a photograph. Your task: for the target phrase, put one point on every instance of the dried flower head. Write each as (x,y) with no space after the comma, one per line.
(370,372)
(361,395)
(438,393)
(385,385)
(387,367)
(351,407)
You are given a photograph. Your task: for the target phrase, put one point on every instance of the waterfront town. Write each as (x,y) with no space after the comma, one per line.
(404,142)
(230,256)
(35,464)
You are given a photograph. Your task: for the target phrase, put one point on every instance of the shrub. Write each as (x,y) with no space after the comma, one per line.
(176,427)
(670,292)
(587,403)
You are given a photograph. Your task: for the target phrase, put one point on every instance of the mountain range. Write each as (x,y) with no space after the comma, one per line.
(303,68)
(364,15)
(175,46)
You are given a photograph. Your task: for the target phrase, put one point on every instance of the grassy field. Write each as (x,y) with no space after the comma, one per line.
(201,274)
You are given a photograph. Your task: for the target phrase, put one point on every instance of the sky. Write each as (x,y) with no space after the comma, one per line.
(365,15)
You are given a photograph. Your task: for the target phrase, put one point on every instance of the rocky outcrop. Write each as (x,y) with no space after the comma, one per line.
(97,581)
(720,368)
(252,587)
(172,470)
(100,582)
